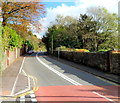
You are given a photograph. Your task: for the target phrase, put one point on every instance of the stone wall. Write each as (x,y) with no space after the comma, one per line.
(105,61)
(115,63)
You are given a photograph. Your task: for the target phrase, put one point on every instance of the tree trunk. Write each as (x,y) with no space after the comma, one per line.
(4,22)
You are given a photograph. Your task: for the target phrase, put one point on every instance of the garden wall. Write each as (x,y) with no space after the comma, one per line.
(105,61)
(115,63)
(11,55)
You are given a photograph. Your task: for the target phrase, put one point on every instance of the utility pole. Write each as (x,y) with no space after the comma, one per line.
(52,43)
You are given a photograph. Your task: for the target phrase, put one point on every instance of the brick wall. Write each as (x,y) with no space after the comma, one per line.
(11,55)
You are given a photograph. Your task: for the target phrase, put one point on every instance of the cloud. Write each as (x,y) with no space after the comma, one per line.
(63,10)
(111,5)
(79,7)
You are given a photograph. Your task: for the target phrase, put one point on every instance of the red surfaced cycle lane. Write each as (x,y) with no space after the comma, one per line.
(77,94)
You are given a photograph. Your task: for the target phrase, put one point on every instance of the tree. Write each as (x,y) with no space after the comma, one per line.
(20,29)
(66,31)
(94,31)
(31,40)
(107,24)
(65,21)
(22,13)
(10,38)
(58,36)
(88,32)
(74,33)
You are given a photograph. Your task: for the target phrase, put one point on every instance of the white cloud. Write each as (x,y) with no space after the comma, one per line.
(61,10)
(79,7)
(111,5)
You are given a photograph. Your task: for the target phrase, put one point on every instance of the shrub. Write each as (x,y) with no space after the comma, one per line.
(81,50)
(62,48)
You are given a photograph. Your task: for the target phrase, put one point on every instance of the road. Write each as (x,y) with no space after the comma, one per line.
(55,81)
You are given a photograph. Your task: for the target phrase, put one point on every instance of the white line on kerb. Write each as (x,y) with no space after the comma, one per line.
(104,97)
(58,73)
(34,100)
(13,89)
(22,99)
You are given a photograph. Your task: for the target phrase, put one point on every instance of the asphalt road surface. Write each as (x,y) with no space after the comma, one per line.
(54,81)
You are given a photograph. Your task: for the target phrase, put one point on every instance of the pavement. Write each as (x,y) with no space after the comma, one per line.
(13,80)
(107,76)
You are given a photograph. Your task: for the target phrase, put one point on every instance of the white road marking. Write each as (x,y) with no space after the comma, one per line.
(13,89)
(58,73)
(23,91)
(24,72)
(104,97)
(28,79)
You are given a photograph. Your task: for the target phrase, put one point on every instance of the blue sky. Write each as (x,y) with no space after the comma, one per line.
(55,4)
(74,9)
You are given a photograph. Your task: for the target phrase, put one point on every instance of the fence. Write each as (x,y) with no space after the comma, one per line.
(105,61)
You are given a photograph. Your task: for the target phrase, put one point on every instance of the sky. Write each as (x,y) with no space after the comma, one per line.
(71,8)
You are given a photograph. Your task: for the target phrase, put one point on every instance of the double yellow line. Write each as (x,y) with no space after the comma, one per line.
(35,88)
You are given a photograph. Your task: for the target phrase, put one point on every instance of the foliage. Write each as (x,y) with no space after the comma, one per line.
(10,38)
(103,50)
(107,24)
(41,46)
(27,43)
(88,32)
(1,48)
(20,30)
(94,31)
(59,34)
(15,40)
(81,50)
(18,17)
(33,43)
(61,48)
(22,13)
